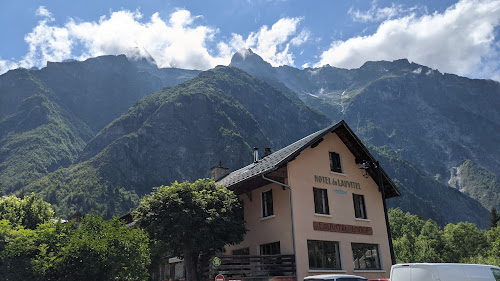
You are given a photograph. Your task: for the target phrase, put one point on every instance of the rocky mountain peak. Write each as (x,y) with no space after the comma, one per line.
(141,58)
(246,59)
(388,65)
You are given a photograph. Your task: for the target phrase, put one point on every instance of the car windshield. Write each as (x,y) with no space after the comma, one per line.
(496,273)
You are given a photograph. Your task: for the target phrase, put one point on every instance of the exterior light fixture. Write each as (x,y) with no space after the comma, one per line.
(365,166)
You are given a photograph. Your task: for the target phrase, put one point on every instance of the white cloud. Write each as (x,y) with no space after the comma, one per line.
(43,12)
(5,65)
(273,44)
(173,42)
(376,14)
(460,40)
(46,43)
(301,38)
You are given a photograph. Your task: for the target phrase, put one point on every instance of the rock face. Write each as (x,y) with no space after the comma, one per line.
(432,120)
(455,180)
(476,182)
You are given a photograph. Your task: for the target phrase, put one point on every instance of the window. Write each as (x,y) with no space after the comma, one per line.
(365,256)
(267,204)
(335,164)
(270,248)
(359,206)
(321,201)
(496,273)
(323,254)
(242,252)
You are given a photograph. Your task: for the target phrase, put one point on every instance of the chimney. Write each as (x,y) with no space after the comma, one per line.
(267,152)
(255,154)
(218,172)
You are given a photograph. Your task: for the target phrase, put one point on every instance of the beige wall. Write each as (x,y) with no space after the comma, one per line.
(266,230)
(301,171)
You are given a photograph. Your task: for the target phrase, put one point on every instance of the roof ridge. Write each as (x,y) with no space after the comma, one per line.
(229,179)
(279,158)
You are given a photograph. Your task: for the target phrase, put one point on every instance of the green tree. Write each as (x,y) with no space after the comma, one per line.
(94,249)
(429,243)
(28,211)
(104,250)
(463,240)
(493,238)
(404,248)
(405,230)
(19,251)
(492,255)
(494,218)
(192,219)
(404,223)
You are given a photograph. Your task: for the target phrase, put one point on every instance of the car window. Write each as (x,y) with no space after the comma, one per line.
(496,274)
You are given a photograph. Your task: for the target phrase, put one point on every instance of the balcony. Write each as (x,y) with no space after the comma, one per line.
(248,267)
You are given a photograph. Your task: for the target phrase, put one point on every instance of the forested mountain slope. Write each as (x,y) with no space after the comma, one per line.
(177,134)
(47,116)
(432,120)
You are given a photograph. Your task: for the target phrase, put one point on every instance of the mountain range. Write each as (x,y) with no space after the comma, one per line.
(100,133)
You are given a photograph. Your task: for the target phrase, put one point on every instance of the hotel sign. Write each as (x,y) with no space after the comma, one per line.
(337,182)
(342,228)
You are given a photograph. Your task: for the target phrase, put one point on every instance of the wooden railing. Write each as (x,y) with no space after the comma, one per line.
(245,266)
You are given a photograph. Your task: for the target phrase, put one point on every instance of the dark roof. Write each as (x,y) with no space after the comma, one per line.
(281,157)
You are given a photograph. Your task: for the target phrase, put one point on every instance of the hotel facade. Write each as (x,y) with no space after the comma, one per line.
(318,201)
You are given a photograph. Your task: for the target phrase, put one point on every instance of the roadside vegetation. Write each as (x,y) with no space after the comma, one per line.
(418,240)
(36,246)
(183,219)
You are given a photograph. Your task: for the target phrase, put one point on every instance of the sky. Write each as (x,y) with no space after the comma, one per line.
(460,37)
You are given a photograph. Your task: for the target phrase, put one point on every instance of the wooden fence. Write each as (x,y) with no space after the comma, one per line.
(242,266)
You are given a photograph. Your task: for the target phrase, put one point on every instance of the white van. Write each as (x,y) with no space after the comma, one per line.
(444,272)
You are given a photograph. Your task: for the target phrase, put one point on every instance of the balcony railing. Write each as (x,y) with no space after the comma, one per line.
(245,266)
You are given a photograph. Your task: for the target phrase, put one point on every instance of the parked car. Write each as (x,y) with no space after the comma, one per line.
(381,279)
(334,277)
(444,272)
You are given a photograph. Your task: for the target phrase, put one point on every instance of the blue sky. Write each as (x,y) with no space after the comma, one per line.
(460,37)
